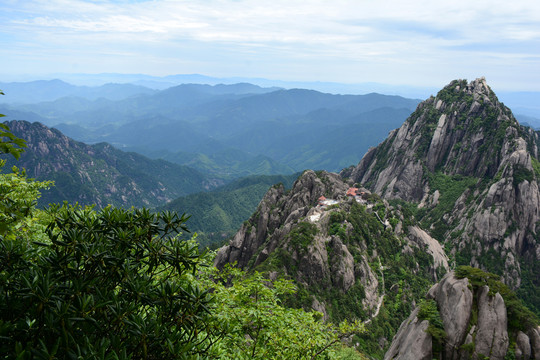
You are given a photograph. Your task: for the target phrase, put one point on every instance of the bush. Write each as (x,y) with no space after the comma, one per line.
(302,235)
(430,312)
(111,282)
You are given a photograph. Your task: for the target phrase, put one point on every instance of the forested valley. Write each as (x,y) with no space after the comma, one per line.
(226,247)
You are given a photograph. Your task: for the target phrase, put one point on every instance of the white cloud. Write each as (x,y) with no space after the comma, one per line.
(363,31)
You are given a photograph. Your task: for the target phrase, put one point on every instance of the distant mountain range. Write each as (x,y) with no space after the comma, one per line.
(260,130)
(521,102)
(50,90)
(164,82)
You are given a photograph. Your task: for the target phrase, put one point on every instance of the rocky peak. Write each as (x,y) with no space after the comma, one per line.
(277,213)
(338,242)
(464,130)
(472,172)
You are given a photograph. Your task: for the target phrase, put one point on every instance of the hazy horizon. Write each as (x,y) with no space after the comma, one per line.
(424,44)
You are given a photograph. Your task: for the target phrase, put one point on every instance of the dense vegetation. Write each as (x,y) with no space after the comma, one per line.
(100,174)
(111,282)
(428,311)
(119,284)
(217,214)
(402,277)
(406,277)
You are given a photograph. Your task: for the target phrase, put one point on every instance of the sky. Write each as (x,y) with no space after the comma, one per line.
(416,42)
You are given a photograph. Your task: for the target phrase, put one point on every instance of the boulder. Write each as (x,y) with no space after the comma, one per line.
(523,346)
(455,301)
(492,336)
(534,337)
(411,342)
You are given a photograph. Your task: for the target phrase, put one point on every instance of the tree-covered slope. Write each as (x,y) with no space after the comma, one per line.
(352,258)
(227,163)
(217,214)
(100,174)
(116,283)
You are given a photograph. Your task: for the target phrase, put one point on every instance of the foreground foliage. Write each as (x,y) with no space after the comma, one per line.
(259,327)
(109,282)
(119,284)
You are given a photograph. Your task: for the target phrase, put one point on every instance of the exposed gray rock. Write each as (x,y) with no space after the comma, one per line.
(534,336)
(432,246)
(523,346)
(319,306)
(342,268)
(313,266)
(411,342)
(491,335)
(455,301)
(465,131)
(369,281)
(487,339)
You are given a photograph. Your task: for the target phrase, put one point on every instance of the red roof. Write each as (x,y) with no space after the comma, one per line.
(322,198)
(352,191)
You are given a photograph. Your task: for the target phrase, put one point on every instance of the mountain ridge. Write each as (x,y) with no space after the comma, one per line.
(458,178)
(465,135)
(101,174)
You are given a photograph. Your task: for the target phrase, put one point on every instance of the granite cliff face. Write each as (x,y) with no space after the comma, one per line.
(464,130)
(477,323)
(99,174)
(340,249)
(459,178)
(472,172)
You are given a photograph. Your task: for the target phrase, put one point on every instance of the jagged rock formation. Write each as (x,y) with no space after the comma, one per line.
(412,341)
(459,172)
(465,130)
(100,174)
(276,215)
(338,250)
(475,321)
(473,172)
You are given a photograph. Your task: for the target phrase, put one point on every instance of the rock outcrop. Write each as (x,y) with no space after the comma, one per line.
(473,170)
(275,216)
(317,234)
(412,341)
(455,302)
(475,322)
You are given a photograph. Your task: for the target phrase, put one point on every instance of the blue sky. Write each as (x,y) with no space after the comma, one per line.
(420,43)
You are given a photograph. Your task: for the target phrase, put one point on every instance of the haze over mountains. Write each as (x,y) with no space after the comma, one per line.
(454,184)
(226,130)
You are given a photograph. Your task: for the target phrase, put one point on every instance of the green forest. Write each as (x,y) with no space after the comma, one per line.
(117,283)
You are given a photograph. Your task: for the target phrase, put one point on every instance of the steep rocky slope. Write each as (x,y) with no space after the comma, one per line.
(468,315)
(100,174)
(458,178)
(472,173)
(348,255)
